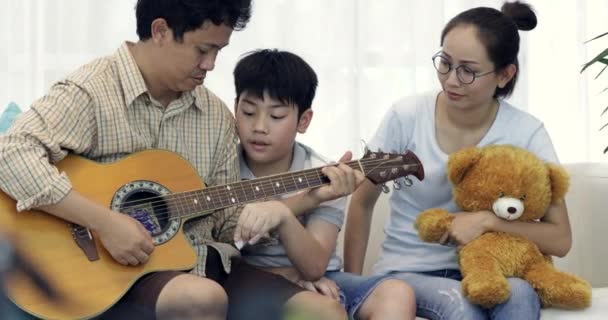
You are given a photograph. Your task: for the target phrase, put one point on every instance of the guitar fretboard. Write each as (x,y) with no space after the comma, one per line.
(214,198)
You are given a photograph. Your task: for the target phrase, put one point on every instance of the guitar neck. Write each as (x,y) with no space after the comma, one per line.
(199,202)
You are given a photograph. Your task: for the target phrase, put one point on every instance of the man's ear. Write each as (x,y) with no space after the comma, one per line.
(305,120)
(160,30)
(505,75)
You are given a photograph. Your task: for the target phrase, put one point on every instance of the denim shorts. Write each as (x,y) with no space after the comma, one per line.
(439,296)
(354,289)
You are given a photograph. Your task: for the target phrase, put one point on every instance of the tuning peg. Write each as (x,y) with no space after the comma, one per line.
(408,182)
(364,145)
(396,185)
(385,189)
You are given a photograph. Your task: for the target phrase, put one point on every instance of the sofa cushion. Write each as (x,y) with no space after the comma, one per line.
(8,116)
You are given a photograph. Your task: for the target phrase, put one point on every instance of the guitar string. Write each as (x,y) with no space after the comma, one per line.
(162,215)
(262,180)
(267,184)
(307,173)
(180,206)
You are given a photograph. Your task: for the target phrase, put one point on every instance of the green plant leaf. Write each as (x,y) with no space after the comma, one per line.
(606,149)
(597,58)
(601,35)
(604,110)
(598,75)
(604,126)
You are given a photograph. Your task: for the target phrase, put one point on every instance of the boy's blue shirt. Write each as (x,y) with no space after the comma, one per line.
(272,253)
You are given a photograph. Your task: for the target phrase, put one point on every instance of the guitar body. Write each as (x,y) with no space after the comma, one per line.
(88,288)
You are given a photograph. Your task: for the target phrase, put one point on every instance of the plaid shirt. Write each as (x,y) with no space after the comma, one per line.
(104,112)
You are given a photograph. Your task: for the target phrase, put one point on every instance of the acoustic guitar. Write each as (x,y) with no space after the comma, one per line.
(159,189)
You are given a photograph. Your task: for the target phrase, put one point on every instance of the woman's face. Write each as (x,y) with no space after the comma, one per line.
(462,47)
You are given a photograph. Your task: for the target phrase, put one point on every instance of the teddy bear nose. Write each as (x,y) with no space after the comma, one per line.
(512,210)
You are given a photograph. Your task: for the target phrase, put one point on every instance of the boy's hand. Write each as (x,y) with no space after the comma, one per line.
(344,180)
(323,286)
(257,219)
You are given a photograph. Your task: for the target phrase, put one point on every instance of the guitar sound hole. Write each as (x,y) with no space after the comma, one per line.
(149,208)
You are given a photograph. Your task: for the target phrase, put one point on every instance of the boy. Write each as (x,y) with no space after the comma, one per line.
(274,93)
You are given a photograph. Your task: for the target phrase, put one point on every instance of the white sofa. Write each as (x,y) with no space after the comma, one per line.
(587,203)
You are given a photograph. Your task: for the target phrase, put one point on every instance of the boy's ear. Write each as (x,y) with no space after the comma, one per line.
(305,120)
(236,105)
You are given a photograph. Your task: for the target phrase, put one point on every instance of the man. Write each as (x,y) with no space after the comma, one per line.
(148,94)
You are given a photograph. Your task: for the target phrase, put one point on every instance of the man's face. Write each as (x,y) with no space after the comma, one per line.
(184,65)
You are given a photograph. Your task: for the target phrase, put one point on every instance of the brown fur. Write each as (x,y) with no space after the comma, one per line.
(478,176)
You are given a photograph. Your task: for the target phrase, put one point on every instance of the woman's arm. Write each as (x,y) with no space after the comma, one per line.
(552,234)
(358,224)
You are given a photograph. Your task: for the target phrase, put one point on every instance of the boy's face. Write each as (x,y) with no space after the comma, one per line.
(267,129)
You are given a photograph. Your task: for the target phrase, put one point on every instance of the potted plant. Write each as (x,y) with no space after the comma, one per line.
(601,58)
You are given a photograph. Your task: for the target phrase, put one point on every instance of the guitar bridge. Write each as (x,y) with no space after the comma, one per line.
(84,239)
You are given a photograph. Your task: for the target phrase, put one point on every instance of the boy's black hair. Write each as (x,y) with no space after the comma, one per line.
(283,75)
(498,31)
(187,15)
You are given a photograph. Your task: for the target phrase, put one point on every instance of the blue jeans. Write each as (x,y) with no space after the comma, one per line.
(439,297)
(354,289)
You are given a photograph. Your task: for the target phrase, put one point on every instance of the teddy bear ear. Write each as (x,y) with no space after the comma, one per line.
(461,162)
(560,181)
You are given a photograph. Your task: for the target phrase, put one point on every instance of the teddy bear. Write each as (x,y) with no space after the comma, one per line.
(512,183)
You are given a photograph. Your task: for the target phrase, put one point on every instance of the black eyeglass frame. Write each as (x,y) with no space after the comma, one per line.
(457,68)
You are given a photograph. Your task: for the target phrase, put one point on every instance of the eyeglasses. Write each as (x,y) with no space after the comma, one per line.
(463,73)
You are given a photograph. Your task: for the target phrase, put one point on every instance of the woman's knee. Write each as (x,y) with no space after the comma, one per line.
(394,291)
(522,293)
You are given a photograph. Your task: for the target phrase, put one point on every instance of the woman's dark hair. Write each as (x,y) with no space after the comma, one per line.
(187,15)
(283,75)
(498,31)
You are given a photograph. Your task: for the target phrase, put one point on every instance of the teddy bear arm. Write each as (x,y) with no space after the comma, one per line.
(432,224)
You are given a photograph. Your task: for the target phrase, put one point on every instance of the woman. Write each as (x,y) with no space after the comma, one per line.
(477,67)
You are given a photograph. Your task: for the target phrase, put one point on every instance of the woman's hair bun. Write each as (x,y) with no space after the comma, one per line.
(521,13)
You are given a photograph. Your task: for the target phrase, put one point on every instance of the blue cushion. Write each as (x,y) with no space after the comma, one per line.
(8,116)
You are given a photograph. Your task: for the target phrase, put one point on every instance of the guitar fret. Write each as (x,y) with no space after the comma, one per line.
(295,185)
(213,198)
(241,188)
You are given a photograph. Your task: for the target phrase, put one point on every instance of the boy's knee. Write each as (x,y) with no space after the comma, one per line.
(315,306)
(390,297)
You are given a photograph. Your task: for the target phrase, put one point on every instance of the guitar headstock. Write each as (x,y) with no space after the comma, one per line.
(380,167)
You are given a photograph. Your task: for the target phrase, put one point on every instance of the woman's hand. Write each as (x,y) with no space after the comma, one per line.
(468,226)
